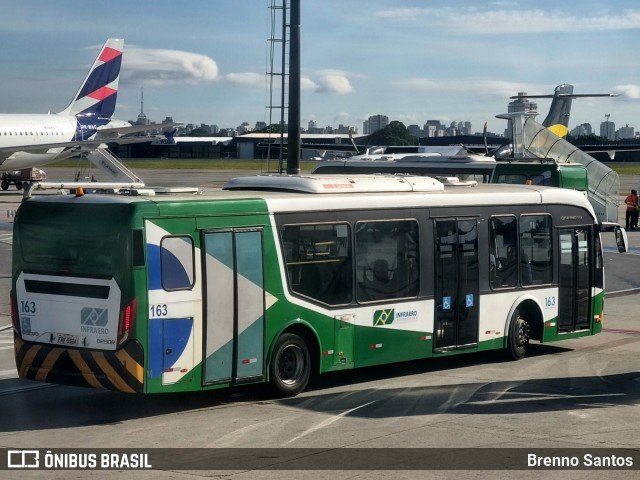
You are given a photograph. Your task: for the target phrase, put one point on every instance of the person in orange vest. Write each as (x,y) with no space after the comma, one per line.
(631,217)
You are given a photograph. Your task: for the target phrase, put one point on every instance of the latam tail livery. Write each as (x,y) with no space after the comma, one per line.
(31,140)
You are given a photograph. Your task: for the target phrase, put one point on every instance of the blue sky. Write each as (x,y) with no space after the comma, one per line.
(203,61)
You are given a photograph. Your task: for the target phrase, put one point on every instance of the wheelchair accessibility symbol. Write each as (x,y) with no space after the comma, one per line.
(446,303)
(469,300)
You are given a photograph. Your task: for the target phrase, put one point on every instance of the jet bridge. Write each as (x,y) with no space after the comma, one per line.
(534,140)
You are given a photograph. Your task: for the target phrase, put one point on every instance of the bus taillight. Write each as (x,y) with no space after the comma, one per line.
(127,320)
(15,318)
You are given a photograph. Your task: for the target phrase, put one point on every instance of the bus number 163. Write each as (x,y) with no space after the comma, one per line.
(159,310)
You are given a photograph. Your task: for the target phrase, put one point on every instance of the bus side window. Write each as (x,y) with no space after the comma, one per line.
(177,263)
(387,261)
(536,266)
(504,252)
(318,261)
(513,179)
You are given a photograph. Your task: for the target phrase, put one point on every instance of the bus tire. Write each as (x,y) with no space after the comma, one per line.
(290,366)
(518,338)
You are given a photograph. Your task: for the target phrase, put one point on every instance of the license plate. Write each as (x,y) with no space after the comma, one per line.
(66,339)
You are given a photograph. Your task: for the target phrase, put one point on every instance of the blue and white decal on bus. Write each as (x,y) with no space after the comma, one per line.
(174,304)
(68,311)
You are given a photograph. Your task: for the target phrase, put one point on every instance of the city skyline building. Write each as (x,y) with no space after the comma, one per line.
(626,133)
(375,123)
(608,129)
(431,128)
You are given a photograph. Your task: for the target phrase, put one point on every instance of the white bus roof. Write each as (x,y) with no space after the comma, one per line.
(336,183)
(284,193)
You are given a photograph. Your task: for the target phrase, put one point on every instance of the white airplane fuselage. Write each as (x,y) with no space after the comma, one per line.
(22,130)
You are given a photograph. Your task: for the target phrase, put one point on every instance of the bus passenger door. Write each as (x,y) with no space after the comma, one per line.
(574,282)
(171,279)
(457,276)
(234,305)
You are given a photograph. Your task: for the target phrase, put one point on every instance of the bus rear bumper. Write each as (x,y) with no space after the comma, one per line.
(121,370)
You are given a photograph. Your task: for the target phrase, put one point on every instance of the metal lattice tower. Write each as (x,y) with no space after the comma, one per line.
(277,77)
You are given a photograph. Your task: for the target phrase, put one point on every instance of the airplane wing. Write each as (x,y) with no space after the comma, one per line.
(117,132)
(610,150)
(83,145)
(330,147)
(42,147)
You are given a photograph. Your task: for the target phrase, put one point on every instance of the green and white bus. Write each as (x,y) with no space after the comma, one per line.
(275,278)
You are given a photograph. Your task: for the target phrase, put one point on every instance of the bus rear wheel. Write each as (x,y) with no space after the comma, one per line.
(518,336)
(290,365)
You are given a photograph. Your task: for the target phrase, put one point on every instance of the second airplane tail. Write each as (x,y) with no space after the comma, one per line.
(97,94)
(557,119)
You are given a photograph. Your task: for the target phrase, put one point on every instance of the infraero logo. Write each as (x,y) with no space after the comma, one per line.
(383,317)
(96,317)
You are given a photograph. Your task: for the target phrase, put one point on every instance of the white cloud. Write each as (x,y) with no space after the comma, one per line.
(245,79)
(506,21)
(327,81)
(483,87)
(403,14)
(306,84)
(628,92)
(334,83)
(166,67)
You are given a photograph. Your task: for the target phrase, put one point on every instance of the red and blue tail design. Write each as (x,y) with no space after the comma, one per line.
(97,94)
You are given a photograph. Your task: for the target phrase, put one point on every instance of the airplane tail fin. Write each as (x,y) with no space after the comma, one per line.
(97,94)
(170,136)
(557,120)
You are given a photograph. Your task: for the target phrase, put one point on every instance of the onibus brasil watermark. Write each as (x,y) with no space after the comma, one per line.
(49,460)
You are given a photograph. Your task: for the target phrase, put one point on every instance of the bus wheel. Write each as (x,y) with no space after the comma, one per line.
(290,366)
(518,336)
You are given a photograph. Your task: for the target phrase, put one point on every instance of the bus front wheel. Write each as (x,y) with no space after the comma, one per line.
(290,365)
(518,336)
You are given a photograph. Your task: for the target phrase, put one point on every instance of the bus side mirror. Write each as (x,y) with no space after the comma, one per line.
(621,239)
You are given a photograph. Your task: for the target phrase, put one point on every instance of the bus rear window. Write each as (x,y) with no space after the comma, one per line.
(69,240)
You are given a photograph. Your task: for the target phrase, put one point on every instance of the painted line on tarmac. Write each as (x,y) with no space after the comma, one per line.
(622,293)
(327,422)
(630,250)
(6,238)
